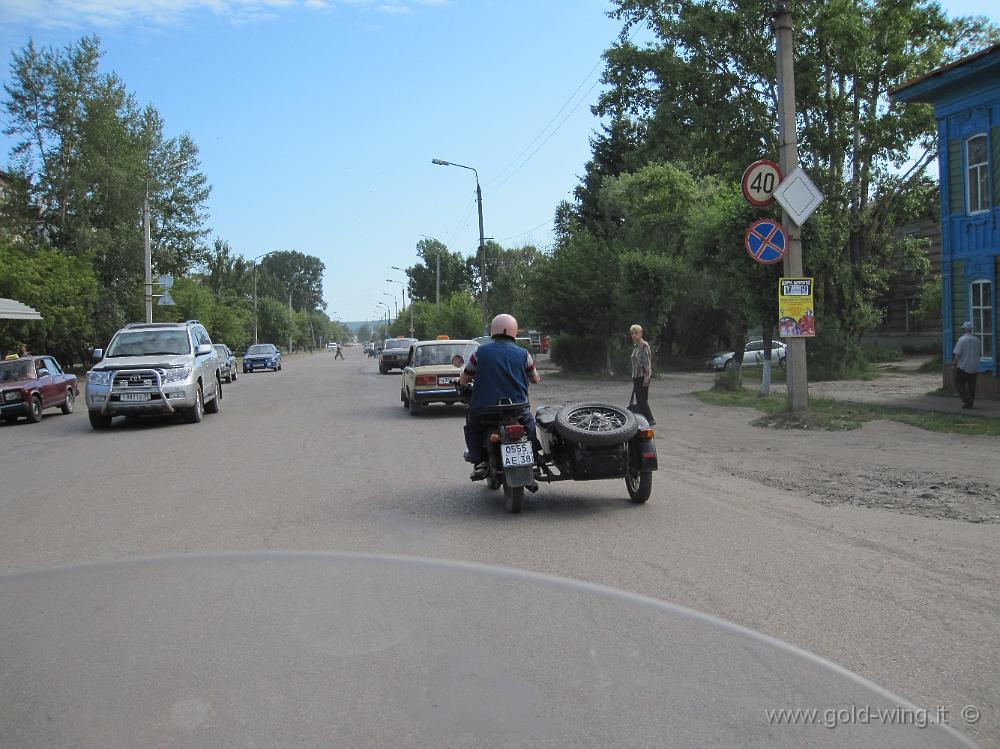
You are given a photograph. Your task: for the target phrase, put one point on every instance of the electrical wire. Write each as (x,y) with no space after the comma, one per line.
(534,228)
(498,180)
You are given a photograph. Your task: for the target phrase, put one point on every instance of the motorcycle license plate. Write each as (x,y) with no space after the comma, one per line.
(517,454)
(135,396)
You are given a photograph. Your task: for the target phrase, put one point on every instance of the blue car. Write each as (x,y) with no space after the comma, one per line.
(262,356)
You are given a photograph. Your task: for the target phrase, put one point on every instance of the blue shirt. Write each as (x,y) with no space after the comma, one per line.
(501,369)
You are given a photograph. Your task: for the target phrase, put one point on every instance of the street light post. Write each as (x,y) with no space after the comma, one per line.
(395,301)
(482,238)
(402,290)
(255,292)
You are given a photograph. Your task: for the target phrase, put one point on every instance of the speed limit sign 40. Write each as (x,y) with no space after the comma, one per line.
(760,180)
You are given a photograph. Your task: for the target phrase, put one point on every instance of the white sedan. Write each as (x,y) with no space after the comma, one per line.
(753,355)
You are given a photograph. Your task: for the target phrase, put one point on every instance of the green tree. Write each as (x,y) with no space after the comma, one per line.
(508,272)
(274,324)
(423,276)
(86,155)
(64,291)
(458,316)
(702,95)
(291,272)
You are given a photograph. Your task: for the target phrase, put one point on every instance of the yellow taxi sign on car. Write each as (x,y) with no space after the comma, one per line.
(443,338)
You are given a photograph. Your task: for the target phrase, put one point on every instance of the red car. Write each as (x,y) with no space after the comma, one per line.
(30,384)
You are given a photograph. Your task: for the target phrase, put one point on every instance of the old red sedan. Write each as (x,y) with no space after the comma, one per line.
(31,384)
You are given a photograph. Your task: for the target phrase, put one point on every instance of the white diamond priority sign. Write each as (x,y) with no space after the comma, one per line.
(798,196)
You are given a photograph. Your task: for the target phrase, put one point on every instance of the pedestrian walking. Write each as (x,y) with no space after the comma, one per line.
(966,363)
(642,372)
(340,351)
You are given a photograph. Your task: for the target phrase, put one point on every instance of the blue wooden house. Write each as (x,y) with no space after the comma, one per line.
(966,100)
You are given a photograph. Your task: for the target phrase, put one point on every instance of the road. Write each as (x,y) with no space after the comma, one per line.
(322,456)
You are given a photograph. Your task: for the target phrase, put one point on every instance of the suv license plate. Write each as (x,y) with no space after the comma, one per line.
(517,454)
(135,396)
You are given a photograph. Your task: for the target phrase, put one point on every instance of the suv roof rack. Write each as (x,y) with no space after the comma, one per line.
(153,324)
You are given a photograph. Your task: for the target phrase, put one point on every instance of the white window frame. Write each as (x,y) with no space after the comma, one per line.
(980,168)
(979,304)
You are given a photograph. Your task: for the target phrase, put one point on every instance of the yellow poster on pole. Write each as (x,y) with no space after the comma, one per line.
(796,314)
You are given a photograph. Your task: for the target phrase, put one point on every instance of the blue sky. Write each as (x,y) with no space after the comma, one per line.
(317,119)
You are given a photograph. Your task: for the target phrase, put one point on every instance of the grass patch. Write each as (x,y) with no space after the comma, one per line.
(558,374)
(834,415)
(931,366)
(877,354)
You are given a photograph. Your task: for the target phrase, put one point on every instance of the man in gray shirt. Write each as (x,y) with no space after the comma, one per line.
(968,351)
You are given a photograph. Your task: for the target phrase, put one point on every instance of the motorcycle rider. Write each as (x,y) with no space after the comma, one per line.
(502,370)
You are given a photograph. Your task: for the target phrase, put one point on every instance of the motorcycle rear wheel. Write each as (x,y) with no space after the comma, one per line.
(514,498)
(639,486)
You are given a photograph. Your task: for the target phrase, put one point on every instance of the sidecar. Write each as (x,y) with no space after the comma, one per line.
(589,441)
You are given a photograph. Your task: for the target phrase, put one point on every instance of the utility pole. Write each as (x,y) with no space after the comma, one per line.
(147,256)
(437,288)
(798,386)
(411,305)
(291,320)
(482,254)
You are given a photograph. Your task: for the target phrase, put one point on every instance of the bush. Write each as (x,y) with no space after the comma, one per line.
(834,354)
(579,354)
(875,353)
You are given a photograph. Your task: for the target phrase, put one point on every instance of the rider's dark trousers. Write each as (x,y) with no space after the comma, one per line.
(477,424)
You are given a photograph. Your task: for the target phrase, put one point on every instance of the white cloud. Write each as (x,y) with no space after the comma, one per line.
(111,13)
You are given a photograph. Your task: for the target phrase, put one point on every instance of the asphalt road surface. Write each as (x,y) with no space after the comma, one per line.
(323,457)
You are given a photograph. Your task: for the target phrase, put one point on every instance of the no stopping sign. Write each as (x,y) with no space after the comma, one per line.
(760,180)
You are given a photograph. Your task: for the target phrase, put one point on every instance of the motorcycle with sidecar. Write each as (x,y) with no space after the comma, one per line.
(576,442)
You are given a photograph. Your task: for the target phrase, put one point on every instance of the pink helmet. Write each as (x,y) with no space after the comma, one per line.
(504,324)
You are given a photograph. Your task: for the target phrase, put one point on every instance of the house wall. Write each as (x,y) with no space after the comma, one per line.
(970,243)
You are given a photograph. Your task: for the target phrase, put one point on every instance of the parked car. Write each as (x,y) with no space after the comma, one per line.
(753,355)
(155,368)
(394,354)
(429,375)
(227,362)
(31,384)
(262,356)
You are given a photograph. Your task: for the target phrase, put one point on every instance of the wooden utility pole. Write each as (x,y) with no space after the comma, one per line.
(798,386)
(147,254)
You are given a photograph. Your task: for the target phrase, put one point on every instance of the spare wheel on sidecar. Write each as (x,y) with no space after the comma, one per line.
(596,424)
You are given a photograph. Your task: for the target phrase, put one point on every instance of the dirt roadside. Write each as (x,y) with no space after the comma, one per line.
(883,465)
(910,596)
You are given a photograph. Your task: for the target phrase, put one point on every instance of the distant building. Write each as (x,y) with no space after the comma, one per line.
(966,100)
(903,328)
(6,182)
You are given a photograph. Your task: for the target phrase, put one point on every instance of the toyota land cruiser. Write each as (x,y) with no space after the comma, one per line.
(155,368)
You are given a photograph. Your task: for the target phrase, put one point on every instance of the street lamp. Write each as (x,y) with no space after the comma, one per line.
(388,312)
(255,292)
(402,290)
(395,301)
(482,239)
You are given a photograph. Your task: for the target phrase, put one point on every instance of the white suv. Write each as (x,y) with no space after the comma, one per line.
(155,368)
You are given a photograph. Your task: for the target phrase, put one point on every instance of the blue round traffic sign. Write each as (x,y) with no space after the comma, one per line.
(766,242)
